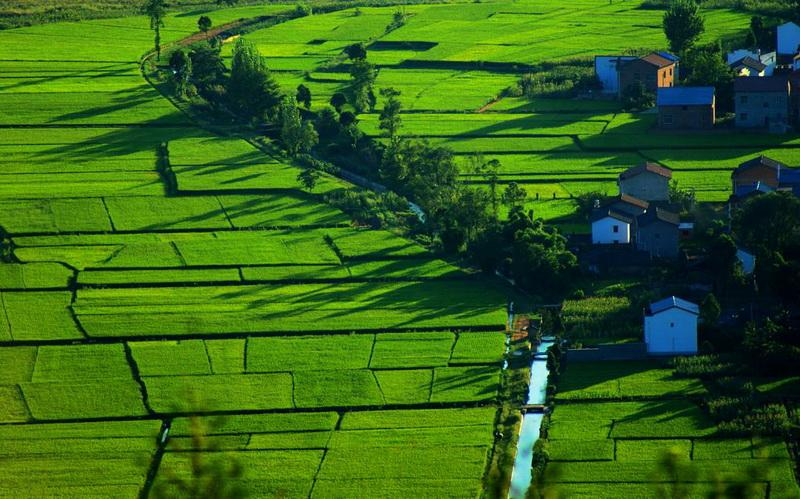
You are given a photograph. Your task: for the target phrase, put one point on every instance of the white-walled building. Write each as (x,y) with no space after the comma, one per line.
(610,226)
(670,327)
(606,67)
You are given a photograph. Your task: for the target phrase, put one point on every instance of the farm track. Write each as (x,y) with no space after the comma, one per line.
(166,416)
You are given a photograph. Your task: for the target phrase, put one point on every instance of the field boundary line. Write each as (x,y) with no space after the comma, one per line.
(102,340)
(8,321)
(108,214)
(137,376)
(155,461)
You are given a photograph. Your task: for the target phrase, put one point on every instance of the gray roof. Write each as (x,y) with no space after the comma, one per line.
(761,84)
(658,215)
(672,302)
(749,62)
(602,213)
(685,96)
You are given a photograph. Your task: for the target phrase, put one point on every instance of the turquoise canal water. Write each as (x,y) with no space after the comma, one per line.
(531,422)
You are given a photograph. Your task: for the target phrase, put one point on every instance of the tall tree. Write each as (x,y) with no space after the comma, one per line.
(303,96)
(204,24)
(181,66)
(769,223)
(338,100)
(514,195)
(363,77)
(156,10)
(706,67)
(356,51)
(683,25)
(297,135)
(207,66)
(390,120)
(489,170)
(252,90)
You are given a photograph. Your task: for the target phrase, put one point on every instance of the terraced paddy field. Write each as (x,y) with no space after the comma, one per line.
(453,64)
(155,270)
(613,422)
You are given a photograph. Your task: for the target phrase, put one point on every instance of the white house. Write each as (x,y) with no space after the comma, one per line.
(788,39)
(606,67)
(747,259)
(670,327)
(610,226)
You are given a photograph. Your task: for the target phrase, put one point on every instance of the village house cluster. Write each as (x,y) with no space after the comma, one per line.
(641,214)
(766,89)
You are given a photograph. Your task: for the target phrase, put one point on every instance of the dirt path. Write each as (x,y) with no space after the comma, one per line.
(490,104)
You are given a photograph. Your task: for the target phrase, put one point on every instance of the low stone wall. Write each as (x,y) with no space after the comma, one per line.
(624,351)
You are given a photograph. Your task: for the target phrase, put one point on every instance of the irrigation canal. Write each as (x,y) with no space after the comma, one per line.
(531,422)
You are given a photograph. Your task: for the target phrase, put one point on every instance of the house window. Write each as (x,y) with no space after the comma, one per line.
(667,119)
(637,76)
(671,324)
(684,108)
(743,99)
(742,116)
(615,229)
(656,236)
(766,104)
(779,100)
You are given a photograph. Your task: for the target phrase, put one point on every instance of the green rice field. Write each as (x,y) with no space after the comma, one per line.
(157,276)
(453,64)
(614,421)
(338,360)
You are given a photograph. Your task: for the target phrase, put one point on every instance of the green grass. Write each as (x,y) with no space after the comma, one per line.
(22,325)
(159,276)
(336,389)
(309,353)
(411,350)
(610,445)
(478,348)
(54,215)
(619,380)
(34,275)
(409,386)
(213,392)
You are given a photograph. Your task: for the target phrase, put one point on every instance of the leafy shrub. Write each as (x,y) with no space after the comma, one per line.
(771,419)
(701,366)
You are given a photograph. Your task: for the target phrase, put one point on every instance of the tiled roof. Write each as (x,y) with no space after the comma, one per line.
(646,167)
(657,60)
(639,203)
(759,161)
(657,214)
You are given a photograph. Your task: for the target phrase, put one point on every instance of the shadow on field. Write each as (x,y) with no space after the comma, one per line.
(60,75)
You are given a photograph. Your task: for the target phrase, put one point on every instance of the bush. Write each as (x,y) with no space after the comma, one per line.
(302,10)
(771,419)
(701,366)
